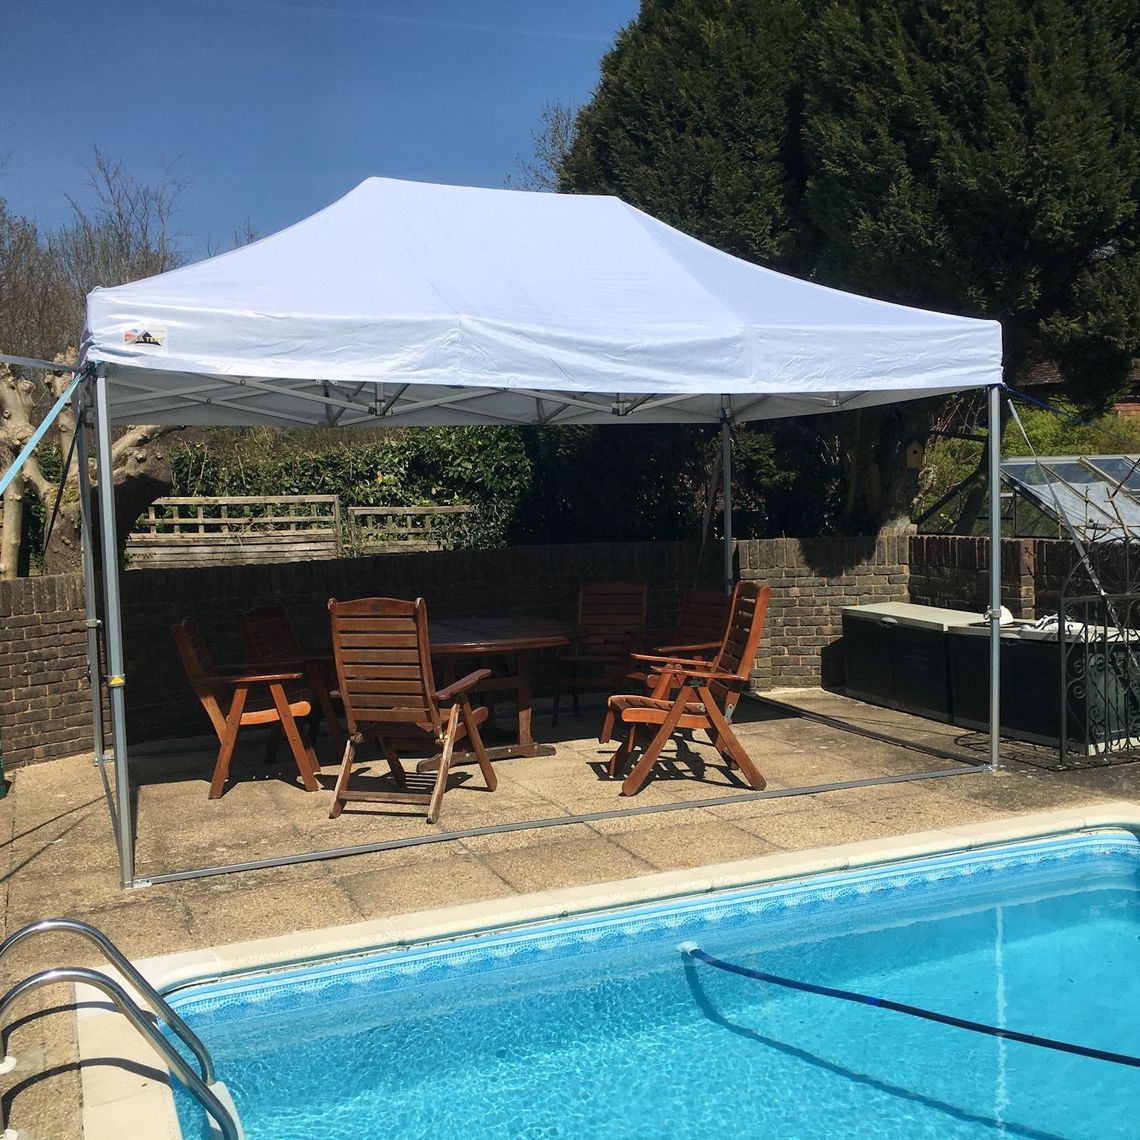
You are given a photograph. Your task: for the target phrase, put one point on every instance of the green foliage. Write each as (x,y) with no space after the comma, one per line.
(642,483)
(483,467)
(629,482)
(397,468)
(696,121)
(950,461)
(786,480)
(36,513)
(983,157)
(530,485)
(1052,434)
(979,157)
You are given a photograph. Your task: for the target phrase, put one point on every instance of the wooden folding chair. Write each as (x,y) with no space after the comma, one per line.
(611,624)
(267,635)
(238,698)
(693,694)
(698,634)
(384,674)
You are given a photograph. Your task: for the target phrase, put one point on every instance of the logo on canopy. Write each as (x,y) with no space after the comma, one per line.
(153,335)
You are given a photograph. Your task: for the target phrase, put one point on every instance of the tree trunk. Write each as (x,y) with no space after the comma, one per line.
(880,485)
(12,529)
(140,460)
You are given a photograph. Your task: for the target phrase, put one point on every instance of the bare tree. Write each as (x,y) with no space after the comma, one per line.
(245,233)
(125,235)
(551,143)
(34,318)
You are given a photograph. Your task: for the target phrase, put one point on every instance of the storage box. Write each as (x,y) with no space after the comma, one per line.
(897,655)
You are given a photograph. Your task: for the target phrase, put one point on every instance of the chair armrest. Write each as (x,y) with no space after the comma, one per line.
(691,647)
(686,674)
(461,686)
(251,678)
(671,662)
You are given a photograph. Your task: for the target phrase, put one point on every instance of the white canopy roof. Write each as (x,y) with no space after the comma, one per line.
(411,303)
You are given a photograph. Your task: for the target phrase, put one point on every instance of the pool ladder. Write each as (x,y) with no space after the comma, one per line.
(210,1093)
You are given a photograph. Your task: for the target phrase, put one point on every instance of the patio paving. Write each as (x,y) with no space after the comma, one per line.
(58,855)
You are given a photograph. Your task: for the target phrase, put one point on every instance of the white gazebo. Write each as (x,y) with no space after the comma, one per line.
(410,304)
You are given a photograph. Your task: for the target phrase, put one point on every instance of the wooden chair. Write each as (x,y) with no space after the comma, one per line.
(238,698)
(268,637)
(611,623)
(694,694)
(698,634)
(383,668)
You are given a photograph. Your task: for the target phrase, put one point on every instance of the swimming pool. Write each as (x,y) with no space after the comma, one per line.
(600,1026)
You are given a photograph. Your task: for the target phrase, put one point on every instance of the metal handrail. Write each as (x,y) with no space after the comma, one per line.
(201,1091)
(158,1004)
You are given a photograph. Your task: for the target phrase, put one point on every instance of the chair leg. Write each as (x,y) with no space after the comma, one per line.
(557,701)
(339,798)
(607,733)
(227,742)
(623,752)
(485,765)
(393,758)
(436,801)
(319,691)
(302,750)
(271,745)
(733,746)
(636,778)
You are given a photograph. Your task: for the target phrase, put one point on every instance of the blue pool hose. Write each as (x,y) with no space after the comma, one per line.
(694,951)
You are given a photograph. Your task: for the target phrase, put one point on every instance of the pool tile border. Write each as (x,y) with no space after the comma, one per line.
(115,1095)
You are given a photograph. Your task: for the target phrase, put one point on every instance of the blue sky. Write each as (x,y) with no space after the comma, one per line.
(271,109)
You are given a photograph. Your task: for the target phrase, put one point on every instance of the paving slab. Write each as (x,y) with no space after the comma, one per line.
(821,826)
(693,844)
(575,862)
(421,886)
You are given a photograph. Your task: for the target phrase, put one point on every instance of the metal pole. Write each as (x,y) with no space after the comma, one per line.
(995,575)
(95,674)
(726,464)
(90,600)
(113,629)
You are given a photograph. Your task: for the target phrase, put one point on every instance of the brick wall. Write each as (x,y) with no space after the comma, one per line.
(537,581)
(953,571)
(44,707)
(812,580)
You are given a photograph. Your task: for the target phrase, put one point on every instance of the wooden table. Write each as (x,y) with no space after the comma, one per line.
(499,637)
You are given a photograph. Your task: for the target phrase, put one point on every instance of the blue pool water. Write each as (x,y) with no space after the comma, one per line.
(599,1027)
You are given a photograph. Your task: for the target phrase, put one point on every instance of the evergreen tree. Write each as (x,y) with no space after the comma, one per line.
(977,156)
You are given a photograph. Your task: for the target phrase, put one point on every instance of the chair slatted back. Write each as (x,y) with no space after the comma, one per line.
(383,663)
(267,634)
(702,617)
(199,666)
(747,610)
(612,614)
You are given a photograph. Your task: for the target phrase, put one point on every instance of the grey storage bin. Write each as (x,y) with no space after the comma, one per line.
(897,655)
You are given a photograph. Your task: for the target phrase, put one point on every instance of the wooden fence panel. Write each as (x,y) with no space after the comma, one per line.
(392,529)
(239,529)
